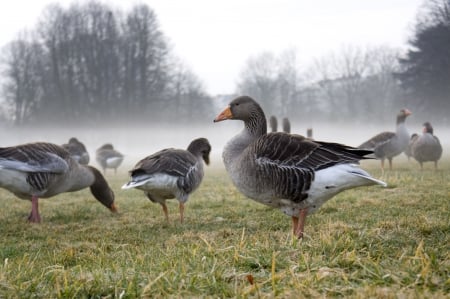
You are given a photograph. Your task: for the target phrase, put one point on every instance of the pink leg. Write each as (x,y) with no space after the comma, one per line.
(34,215)
(294,224)
(166,213)
(301,223)
(181,212)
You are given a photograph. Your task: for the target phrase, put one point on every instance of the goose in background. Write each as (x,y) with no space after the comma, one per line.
(42,170)
(309,133)
(286,125)
(426,147)
(407,151)
(171,173)
(77,150)
(387,145)
(108,157)
(273,123)
(288,171)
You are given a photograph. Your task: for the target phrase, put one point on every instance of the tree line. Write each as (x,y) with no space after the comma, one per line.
(361,84)
(90,63)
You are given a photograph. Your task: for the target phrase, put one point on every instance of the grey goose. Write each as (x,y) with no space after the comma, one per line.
(387,145)
(171,173)
(77,150)
(273,123)
(426,147)
(108,157)
(287,171)
(286,125)
(407,150)
(42,170)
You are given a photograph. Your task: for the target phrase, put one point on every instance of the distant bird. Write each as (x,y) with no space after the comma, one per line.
(390,144)
(108,157)
(77,150)
(273,123)
(427,147)
(171,173)
(309,133)
(286,125)
(288,171)
(407,151)
(42,170)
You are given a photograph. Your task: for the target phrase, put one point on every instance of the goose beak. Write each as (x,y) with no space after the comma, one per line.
(113,208)
(407,112)
(224,115)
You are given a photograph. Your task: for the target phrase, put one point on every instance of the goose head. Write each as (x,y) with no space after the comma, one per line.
(402,115)
(200,146)
(427,128)
(101,190)
(248,110)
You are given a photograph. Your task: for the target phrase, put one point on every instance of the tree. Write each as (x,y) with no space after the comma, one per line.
(259,80)
(22,89)
(425,73)
(91,63)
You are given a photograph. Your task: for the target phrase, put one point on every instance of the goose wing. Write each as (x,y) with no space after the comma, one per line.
(35,157)
(377,140)
(168,161)
(288,162)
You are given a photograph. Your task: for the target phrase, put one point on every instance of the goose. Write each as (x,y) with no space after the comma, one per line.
(108,157)
(286,125)
(413,139)
(287,171)
(426,147)
(309,133)
(273,123)
(42,170)
(390,144)
(77,150)
(171,173)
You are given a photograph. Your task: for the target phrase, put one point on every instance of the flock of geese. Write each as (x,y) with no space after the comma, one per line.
(286,171)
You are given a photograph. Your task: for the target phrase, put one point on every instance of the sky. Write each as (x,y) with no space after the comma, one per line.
(216,38)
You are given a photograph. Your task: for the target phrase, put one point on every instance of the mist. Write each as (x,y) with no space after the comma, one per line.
(138,140)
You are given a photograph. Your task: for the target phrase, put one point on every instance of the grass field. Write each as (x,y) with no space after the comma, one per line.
(365,243)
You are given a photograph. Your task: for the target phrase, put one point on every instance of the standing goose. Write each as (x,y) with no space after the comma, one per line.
(35,170)
(108,157)
(426,147)
(273,123)
(390,144)
(286,125)
(77,150)
(171,173)
(408,149)
(288,171)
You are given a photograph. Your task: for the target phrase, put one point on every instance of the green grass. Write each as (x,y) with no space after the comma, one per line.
(370,242)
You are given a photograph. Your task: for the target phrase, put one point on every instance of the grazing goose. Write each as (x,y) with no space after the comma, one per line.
(35,170)
(286,125)
(171,173)
(390,144)
(288,171)
(273,123)
(77,150)
(108,157)
(426,147)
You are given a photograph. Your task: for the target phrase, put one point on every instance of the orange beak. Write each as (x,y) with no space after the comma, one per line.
(113,208)
(224,115)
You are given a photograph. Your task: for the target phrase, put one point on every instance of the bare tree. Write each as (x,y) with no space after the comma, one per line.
(259,79)
(23,67)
